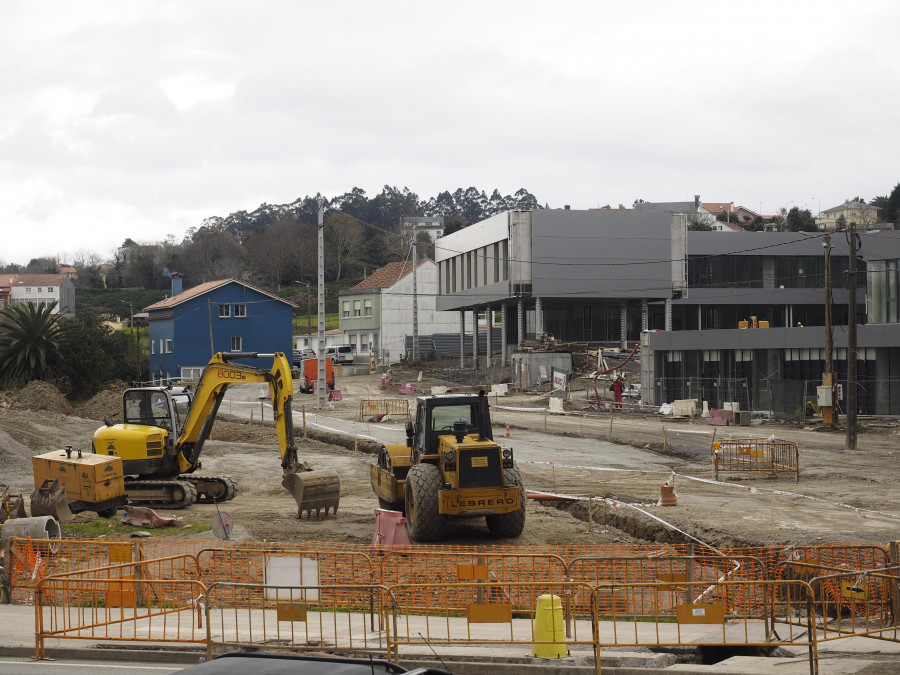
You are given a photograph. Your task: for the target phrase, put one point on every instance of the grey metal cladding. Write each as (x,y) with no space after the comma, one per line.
(601,254)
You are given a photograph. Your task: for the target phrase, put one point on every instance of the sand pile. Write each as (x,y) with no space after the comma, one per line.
(107,405)
(38,395)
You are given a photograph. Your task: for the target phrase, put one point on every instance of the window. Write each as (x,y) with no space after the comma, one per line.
(356,310)
(152,347)
(367,308)
(224,311)
(345,309)
(28,289)
(236,344)
(162,347)
(240,311)
(168,345)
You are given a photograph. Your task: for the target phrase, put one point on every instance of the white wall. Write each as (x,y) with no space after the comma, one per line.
(397,310)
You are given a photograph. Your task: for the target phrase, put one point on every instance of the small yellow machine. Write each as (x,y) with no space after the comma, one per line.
(67,484)
(450,467)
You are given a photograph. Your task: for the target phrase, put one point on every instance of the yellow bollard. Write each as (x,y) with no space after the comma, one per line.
(548,628)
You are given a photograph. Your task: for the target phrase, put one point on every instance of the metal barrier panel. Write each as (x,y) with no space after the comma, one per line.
(842,555)
(153,600)
(323,617)
(673,572)
(390,407)
(425,565)
(849,603)
(285,565)
(857,604)
(485,614)
(31,560)
(756,454)
(708,622)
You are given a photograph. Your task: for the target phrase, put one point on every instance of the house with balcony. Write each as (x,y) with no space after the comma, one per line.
(227,315)
(38,289)
(864,216)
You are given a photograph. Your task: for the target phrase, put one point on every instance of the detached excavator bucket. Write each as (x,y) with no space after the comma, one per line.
(11,506)
(314,491)
(50,500)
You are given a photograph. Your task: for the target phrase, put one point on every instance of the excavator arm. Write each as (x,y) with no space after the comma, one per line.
(312,490)
(220,374)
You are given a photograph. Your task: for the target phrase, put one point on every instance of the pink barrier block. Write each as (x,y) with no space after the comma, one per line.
(390,529)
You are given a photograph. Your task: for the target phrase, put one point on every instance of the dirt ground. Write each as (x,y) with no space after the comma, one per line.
(842,494)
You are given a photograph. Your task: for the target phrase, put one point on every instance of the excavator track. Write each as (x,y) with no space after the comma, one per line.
(164,494)
(212,489)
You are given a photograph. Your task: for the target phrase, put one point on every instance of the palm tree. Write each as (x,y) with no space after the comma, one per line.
(31,337)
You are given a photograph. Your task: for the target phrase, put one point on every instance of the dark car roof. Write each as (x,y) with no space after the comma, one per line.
(295,664)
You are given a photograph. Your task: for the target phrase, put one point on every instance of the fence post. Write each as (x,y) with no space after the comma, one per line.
(894,553)
(303,407)
(689,574)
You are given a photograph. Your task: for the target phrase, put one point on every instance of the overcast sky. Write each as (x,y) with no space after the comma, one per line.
(139,119)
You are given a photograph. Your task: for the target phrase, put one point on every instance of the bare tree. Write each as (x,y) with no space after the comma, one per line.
(343,236)
(273,250)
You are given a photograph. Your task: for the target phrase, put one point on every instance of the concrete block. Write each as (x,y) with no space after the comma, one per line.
(684,407)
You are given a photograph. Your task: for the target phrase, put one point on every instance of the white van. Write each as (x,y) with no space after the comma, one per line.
(342,354)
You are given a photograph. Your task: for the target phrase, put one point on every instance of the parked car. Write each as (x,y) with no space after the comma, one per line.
(342,354)
(300,354)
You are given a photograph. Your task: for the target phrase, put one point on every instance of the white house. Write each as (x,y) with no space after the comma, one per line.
(38,289)
(377,313)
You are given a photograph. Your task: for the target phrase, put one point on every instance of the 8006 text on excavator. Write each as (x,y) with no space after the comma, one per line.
(165,428)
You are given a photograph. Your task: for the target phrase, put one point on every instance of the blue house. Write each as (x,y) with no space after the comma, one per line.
(217,316)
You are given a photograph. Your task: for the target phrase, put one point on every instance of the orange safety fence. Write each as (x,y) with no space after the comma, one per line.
(782,618)
(424,565)
(289,616)
(384,407)
(768,455)
(152,600)
(858,603)
(849,555)
(297,566)
(30,560)
(485,614)
(674,571)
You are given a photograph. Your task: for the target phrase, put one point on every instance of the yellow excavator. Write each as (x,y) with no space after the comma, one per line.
(165,428)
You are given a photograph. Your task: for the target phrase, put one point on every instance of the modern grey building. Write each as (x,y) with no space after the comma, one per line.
(606,277)
(583,276)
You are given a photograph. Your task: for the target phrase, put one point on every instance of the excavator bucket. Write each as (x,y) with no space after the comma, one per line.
(314,491)
(50,500)
(11,506)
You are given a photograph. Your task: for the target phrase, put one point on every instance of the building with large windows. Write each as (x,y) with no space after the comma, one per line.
(612,278)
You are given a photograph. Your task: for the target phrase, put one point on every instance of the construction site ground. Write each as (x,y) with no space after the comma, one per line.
(846,495)
(842,494)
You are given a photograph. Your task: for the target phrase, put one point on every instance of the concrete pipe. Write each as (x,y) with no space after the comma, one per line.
(43,527)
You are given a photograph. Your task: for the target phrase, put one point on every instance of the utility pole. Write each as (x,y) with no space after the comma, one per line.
(415,257)
(321,385)
(828,411)
(851,344)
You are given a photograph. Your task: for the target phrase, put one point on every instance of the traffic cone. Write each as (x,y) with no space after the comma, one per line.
(507,430)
